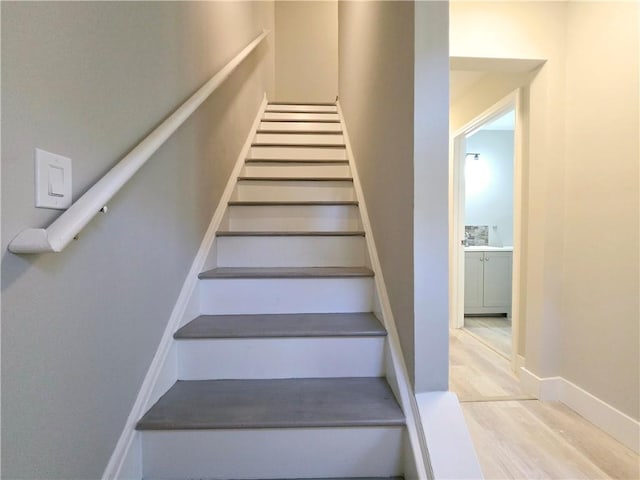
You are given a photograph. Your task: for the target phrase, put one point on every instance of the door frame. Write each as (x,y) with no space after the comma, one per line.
(457,153)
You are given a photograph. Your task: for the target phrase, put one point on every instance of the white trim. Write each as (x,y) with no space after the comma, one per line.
(452,453)
(456,182)
(606,417)
(162,372)
(59,234)
(400,373)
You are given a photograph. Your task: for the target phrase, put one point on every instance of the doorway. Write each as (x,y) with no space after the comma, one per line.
(486,225)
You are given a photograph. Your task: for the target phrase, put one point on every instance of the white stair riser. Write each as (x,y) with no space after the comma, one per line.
(273,453)
(296,170)
(291,251)
(294,191)
(299,138)
(298,153)
(304,117)
(292,218)
(302,108)
(263,358)
(285,295)
(301,127)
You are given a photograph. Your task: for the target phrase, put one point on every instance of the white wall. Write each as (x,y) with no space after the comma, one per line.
(489,200)
(306,50)
(601,276)
(89,80)
(581,192)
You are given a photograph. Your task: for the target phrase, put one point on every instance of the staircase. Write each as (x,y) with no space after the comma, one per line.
(282,374)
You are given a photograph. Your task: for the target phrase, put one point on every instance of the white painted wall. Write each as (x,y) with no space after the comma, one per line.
(306,51)
(601,275)
(489,184)
(581,174)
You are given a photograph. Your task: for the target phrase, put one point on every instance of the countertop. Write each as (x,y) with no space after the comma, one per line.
(485,248)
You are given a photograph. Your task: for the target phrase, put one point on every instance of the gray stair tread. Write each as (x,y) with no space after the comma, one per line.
(313,145)
(324,104)
(283,325)
(280,403)
(295,179)
(258,203)
(299,132)
(286,272)
(312,120)
(310,110)
(286,233)
(296,160)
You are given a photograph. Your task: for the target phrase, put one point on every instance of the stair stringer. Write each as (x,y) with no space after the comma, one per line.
(417,461)
(126,459)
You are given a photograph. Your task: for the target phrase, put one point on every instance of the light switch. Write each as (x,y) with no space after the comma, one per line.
(56,181)
(53,180)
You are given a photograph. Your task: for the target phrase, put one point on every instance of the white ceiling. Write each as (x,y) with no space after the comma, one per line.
(462,80)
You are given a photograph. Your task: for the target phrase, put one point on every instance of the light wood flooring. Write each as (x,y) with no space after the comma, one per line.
(494,331)
(520,438)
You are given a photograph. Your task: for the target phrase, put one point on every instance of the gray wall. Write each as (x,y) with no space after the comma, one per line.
(306,50)
(376,54)
(89,80)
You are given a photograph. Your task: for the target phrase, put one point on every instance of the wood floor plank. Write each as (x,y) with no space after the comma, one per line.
(494,331)
(477,371)
(528,439)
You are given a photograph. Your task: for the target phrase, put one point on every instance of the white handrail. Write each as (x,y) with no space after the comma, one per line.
(60,233)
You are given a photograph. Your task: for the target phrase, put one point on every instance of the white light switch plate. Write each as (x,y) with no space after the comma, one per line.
(53,180)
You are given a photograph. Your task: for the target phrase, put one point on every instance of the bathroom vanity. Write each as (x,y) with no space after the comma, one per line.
(487,280)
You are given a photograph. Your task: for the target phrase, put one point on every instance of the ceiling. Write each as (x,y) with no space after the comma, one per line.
(462,80)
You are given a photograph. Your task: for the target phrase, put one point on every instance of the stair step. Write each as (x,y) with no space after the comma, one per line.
(298,152)
(301,108)
(288,161)
(279,403)
(301,117)
(283,214)
(293,143)
(281,102)
(305,190)
(293,126)
(290,249)
(286,453)
(283,325)
(286,272)
(280,346)
(284,233)
(295,179)
(293,169)
(297,138)
(309,203)
(228,296)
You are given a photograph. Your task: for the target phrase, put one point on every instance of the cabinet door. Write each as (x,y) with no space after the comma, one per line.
(473,279)
(497,279)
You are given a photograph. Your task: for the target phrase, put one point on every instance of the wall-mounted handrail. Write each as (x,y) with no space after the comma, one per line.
(60,233)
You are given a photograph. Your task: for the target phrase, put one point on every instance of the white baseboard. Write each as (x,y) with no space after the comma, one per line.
(606,417)
(397,374)
(451,451)
(126,461)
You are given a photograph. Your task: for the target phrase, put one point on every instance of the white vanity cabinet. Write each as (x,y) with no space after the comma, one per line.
(487,281)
